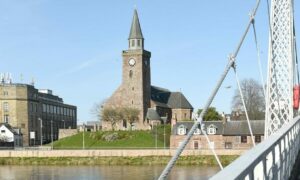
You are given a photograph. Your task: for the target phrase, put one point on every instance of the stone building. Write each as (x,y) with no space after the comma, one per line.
(33,110)
(136,90)
(223,135)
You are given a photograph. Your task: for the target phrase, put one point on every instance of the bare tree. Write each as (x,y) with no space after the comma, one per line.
(96,110)
(4,138)
(112,115)
(254,100)
(131,115)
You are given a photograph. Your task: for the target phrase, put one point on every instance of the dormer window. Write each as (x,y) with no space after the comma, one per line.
(212,129)
(181,130)
(197,131)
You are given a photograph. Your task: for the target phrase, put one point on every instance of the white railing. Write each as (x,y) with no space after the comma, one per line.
(274,158)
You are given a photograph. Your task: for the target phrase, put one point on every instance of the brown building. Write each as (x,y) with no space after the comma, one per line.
(23,106)
(136,90)
(223,135)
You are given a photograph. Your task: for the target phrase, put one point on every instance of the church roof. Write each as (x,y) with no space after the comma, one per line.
(165,98)
(135,31)
(152,114)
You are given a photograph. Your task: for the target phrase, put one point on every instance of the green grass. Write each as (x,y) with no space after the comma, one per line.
(149,160)
(126,139)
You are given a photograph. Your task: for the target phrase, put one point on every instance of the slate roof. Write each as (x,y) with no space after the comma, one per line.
(241,127)
(152,114)
(9,127)
(135,31)
(165,98)
(189,124)
(230,128)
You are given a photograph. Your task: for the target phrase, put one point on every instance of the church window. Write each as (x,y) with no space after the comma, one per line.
(133,88)
(184,115)
(132,43)
(138,43)
(130,73)
(132,102)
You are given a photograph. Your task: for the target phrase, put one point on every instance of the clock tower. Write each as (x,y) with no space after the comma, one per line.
(136,80)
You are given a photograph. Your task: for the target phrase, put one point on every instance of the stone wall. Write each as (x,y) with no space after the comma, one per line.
(62,133)
(110,153)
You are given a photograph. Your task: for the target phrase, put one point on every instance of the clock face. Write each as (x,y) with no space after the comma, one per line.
(131,62)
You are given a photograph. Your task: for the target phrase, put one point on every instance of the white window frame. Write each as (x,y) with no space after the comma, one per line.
(211,129)
(181,130)
(197,131)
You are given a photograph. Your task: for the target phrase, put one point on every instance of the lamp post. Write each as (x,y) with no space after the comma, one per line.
(64,124)
(165,133)
(83,136)
(52,134)
(41,131)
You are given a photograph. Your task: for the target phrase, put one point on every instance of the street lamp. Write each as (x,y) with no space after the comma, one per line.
(165,132)
(64,124)
(52,134)
(83,136)
(41,131)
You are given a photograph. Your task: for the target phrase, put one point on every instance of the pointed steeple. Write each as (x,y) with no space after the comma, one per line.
(136,39)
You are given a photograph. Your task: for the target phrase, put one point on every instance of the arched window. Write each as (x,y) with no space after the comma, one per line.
(130,73)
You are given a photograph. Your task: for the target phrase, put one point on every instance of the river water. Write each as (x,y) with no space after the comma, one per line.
(102,172)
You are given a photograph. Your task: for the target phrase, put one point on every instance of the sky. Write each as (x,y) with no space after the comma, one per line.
(73,47)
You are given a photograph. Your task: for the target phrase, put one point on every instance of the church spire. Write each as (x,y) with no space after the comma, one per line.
(136,39)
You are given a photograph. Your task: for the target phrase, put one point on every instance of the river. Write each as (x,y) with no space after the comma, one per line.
(102,172)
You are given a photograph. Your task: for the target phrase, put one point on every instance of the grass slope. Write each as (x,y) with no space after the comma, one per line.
(125,139)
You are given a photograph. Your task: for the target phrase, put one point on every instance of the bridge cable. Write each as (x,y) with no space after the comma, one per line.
(244,104)
(259,59)
(173,160)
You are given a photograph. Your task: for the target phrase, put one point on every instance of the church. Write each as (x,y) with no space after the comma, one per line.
(156,105)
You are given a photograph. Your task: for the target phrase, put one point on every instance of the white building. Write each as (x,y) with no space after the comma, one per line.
(10,136)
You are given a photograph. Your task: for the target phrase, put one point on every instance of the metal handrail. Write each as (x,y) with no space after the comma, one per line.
(274,158)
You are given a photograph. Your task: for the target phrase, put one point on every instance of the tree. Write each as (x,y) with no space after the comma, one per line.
(254,100)
(211,114)
(4,138)
(112,115)
(131,115)
(96,110)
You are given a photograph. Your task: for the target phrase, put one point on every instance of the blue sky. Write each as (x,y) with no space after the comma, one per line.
(74,47)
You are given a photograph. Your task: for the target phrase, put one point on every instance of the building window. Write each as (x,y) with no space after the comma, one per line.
(197,131)
(139,43)
(44,108)
(6,118)
(130,73)
(257,139)
(243,139)
(2,131)
(132,43)
(228,145)
(125,124)
(181,130)
(196,145)
(5,93)
(184,115)
(211,129)
(5,107)
(22,125)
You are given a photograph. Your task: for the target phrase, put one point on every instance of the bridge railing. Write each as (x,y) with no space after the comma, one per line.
(274,158)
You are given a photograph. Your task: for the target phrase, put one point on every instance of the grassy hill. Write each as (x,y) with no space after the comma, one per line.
(116,139)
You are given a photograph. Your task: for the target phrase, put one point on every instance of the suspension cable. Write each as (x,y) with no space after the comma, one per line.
(173,160)
(259,59)
(244,104)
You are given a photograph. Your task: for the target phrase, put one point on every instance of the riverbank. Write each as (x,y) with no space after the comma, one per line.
(148,160)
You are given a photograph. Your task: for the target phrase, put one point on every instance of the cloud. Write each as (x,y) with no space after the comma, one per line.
(78,68)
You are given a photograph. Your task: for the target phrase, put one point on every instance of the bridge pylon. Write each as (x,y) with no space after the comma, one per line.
(281,66)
